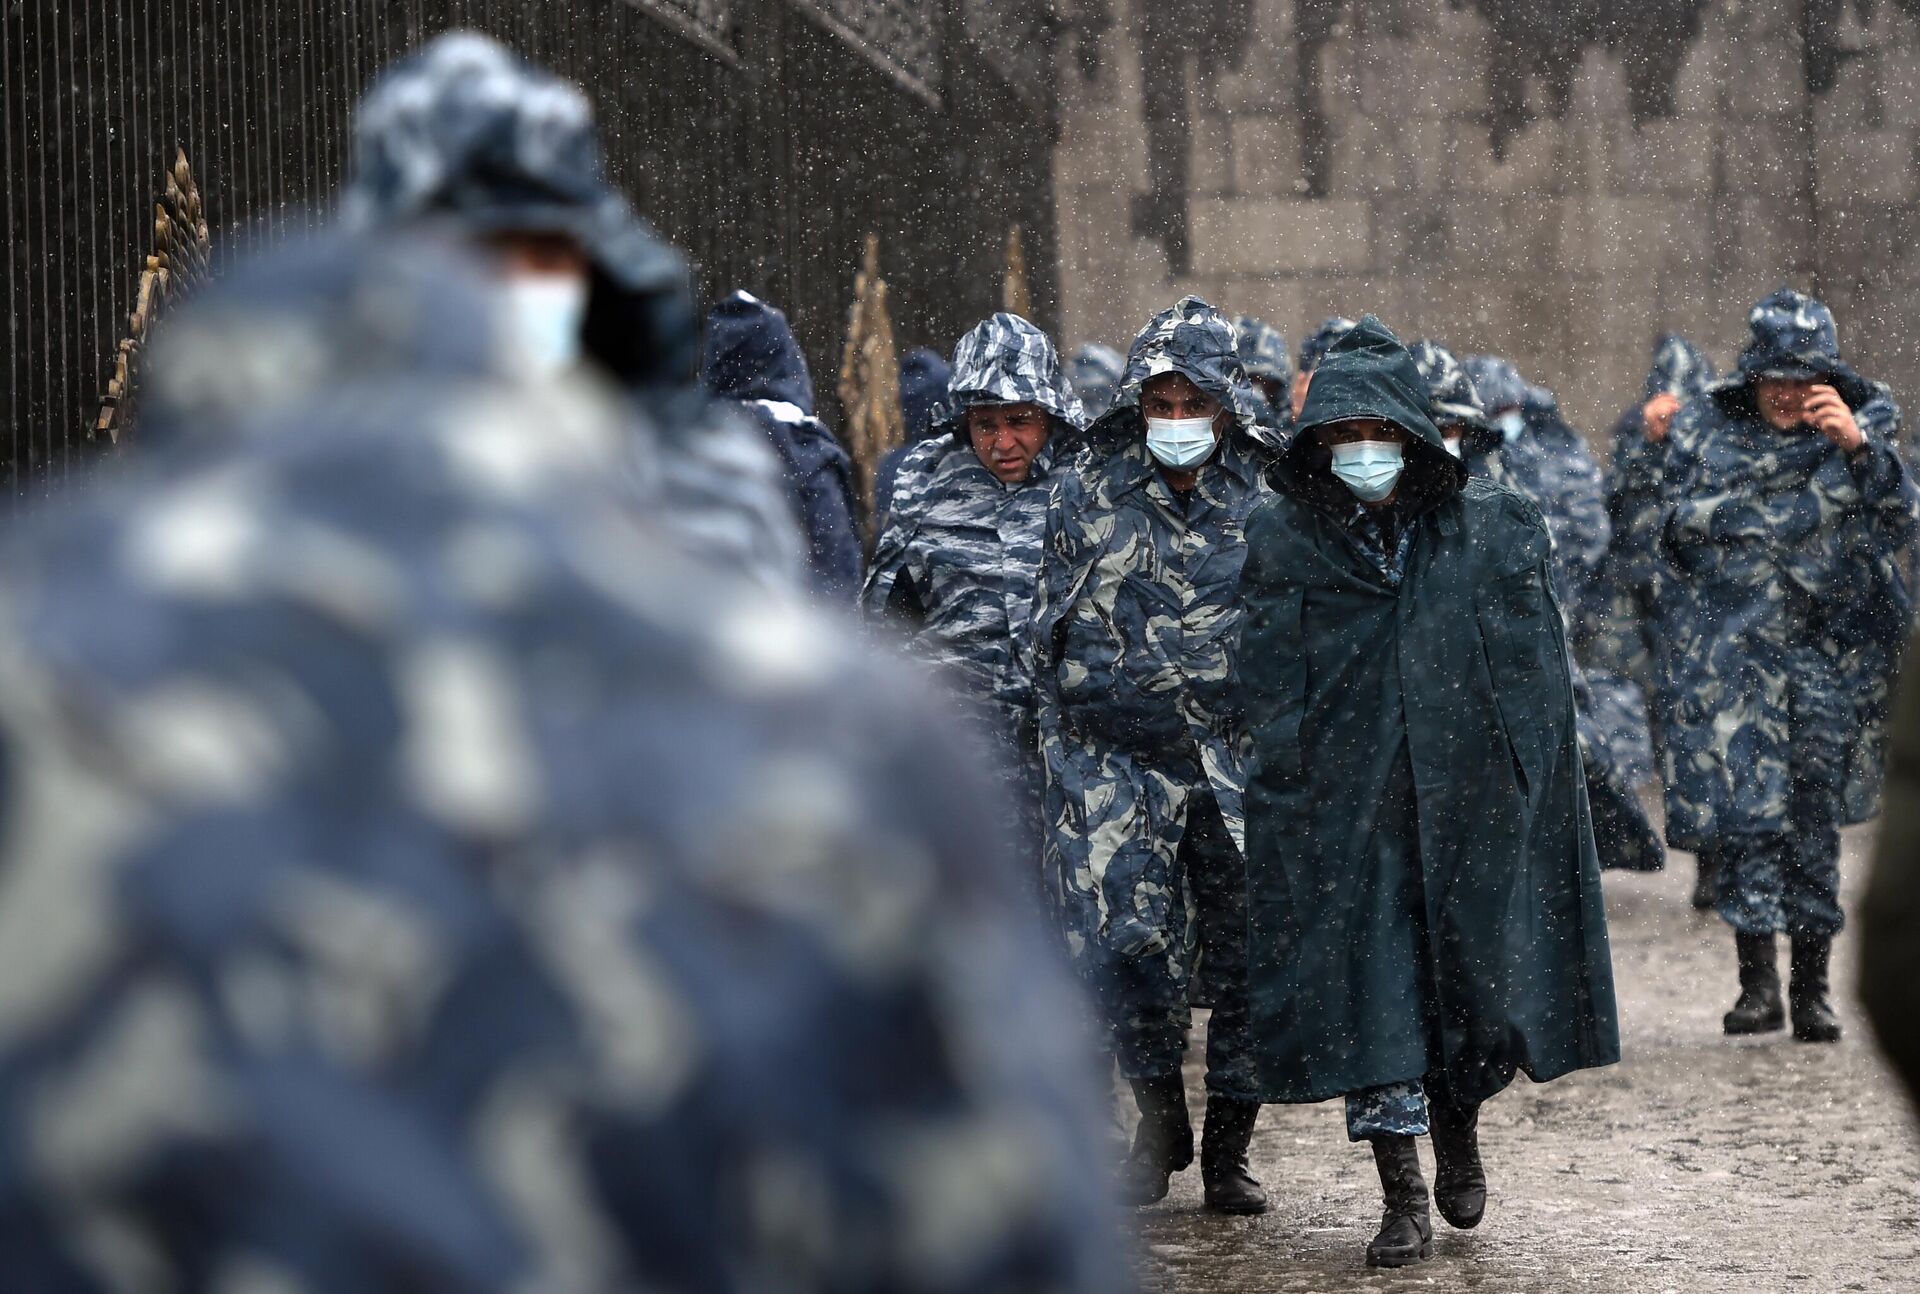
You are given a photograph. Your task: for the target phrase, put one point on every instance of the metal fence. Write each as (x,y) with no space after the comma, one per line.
(764,136)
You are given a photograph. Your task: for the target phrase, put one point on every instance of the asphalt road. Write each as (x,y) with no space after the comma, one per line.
(1698,1163)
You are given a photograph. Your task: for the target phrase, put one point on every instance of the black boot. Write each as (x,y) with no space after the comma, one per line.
(1706,880)
(1162,1144)
(1406,1231)
(1230,1186)
(1759,1009)
(1459,1182)
(1813,1017)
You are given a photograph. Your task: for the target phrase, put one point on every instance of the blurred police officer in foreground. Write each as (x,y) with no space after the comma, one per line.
(465,142)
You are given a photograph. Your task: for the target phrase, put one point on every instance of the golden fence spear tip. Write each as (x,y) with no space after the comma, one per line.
(182,246)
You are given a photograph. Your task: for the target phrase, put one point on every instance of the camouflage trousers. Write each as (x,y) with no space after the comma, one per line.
(1145,1000)
(1790,881)
(1390,1110)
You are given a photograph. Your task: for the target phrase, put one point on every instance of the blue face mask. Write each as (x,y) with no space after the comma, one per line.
(1370,468)
(1180,443)
(1511,424)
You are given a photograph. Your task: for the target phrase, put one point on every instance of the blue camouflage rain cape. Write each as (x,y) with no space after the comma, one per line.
(1134,635)
(1779,545)
(430,853)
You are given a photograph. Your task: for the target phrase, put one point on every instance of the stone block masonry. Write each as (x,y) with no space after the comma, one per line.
(1572,251)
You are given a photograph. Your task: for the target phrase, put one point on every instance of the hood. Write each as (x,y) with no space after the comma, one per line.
(283,328)
(752,354)
(1263,351)
(464,133)
(1193,339)
(1314,348)
(1679,369)
(1450,393)
(1367,373)
(1095,373)
(1497,381)
(1006,360)
(923,391)
(1792,335)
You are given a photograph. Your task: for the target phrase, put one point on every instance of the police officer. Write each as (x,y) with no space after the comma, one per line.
(753,360)
(467,142)
(422,877)
(1628,641)
(1311,351)
(1786,506)
(1263,353)
(957,563)
(1427,917)
(1143,746)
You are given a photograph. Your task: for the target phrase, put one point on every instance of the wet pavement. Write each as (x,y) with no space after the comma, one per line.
(1698,1163)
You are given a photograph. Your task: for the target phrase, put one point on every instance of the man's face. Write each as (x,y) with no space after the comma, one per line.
(1301,381)
(1782,400)
(543,287)
(1354,430)
(518,254)
(1006,437)
(1174,396)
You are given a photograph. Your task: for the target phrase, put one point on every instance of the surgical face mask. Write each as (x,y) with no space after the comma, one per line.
(1453,445)
(1511,424)
(1180,442)
(1370,468)
(541,318)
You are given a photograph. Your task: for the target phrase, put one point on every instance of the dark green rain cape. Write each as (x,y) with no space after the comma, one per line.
(1425,893)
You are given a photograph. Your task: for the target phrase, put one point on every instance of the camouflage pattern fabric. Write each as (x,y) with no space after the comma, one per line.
(1192,338)
(464,138)
(960,555)
(1135,626)
(1625,642)
(1451,397)
(1391,1110)
(1006,360)
(1776,542)
(1263,350)
(423,878)
(1095,372)
(1314,348)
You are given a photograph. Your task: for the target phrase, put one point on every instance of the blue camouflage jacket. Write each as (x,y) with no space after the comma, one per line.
(960,554)
(420,876)
(1775,541)
(1135,636)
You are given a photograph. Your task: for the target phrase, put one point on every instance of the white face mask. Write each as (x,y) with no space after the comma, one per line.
(1453,445)
(1180,442)
(1370,468)
(541,317)
(1511,424)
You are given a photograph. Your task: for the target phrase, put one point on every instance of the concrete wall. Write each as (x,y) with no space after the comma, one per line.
(1570,255)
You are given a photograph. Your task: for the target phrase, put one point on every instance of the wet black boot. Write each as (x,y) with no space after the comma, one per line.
(1406,1230)
(1162,1144)
(1813,1017)
(1459,1182)
(1759,1009)
(1230,1185)
(1706,880)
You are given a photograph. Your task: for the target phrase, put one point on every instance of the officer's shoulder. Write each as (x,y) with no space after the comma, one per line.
(1492,505)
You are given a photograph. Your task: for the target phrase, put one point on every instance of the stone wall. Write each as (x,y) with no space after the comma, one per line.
(1572,253)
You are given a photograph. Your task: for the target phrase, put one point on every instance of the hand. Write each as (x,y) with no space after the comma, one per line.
(1828,414)
(1657,414)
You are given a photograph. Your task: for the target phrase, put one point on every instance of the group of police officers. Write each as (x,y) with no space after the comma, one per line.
(450,843)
